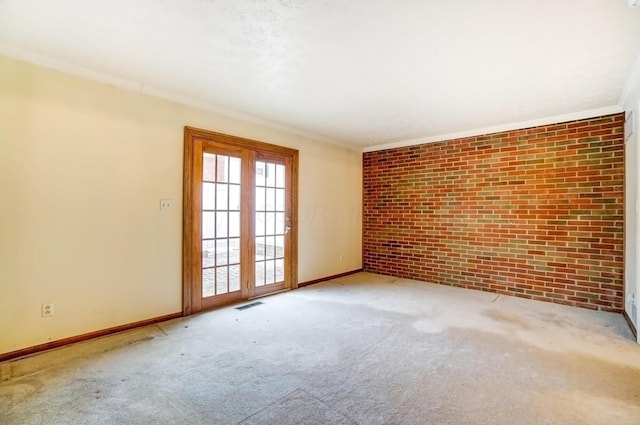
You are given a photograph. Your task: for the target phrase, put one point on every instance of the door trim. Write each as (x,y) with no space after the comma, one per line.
(190,241)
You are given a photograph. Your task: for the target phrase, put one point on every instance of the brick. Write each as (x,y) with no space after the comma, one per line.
(536,213)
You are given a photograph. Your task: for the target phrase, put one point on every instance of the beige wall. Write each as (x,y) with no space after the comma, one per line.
(632,215)
(83,166)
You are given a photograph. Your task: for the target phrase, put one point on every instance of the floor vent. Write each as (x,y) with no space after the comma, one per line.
(246,306)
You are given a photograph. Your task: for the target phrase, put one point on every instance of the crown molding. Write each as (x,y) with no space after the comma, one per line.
(78,71)
(614,109)
(139,87)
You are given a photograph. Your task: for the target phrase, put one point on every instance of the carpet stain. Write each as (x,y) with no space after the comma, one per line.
(377,353)
(508,318)
(573,387)
(14,393)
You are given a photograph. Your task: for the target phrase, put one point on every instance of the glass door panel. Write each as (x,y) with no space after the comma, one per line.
(221,178)
(270,223)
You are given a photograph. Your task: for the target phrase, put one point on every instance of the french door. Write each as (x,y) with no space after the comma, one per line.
(239,221)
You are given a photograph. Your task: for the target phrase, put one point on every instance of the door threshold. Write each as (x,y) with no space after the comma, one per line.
(268,294)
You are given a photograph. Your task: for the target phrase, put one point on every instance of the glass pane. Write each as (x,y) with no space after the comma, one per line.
(269,246)
(279,223)
(234,278)
(234,197)
(208,282)
(260,273)
(271,175)
(260,201)
(279,246)
(260,223)
(221,224)
(208,196)
(221,252)
(234,224)
(223,169)
(221,280)
(234,251)
(271,199)
(208,253)
(209,167)
(218,251)
(260,248)
(270,272)
(221,196)
(208,225)
(280,200)
(271,223)
(260,173)
(279,270)
(234,170)
(280,175)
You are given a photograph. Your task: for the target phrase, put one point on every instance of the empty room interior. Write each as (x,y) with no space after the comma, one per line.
(319,212)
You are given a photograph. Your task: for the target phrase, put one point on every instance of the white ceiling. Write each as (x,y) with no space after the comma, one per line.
(361,72)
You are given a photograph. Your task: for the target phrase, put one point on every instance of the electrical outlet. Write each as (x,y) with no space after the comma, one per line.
(47,310)
(165,204)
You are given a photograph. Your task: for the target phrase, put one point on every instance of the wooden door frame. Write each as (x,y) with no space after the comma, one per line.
(190,241)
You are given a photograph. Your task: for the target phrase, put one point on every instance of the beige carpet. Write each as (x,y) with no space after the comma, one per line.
(364,349)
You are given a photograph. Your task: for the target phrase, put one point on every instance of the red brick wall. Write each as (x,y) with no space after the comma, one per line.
(536,213)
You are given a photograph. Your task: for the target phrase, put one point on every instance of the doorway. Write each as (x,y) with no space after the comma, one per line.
(239,219)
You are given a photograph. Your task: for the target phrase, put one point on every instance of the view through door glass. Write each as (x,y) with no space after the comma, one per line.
(239,222)
(270,223)
(221,195)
